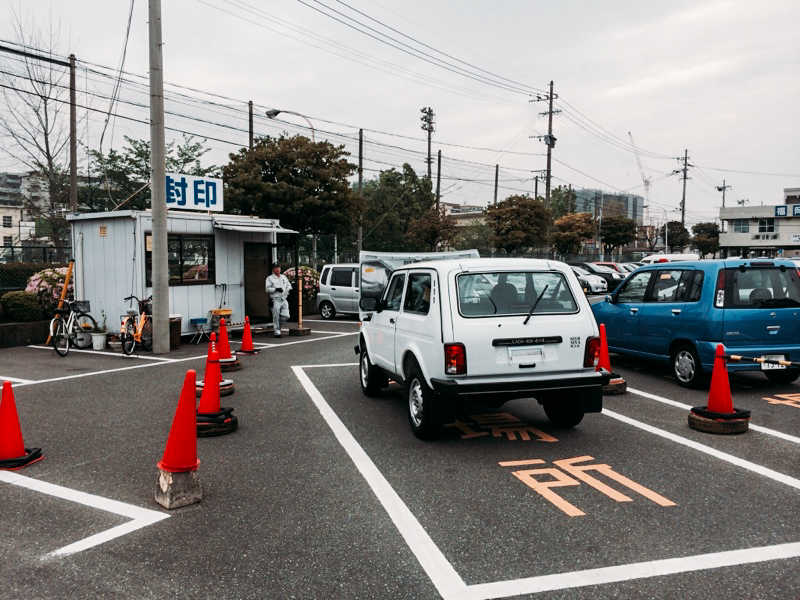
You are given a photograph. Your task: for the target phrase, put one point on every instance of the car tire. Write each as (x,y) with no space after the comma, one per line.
(326,310)
(687,368)
(782,375)
(372,378)
(565,413)
(422,405)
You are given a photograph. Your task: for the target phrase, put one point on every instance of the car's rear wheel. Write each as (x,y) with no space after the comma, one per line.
(687,368)
(372,378)
(564,413)
(422,405)
(326,310)
(782,375)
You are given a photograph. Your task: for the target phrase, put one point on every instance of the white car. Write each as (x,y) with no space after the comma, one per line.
(593,283)
(485,329)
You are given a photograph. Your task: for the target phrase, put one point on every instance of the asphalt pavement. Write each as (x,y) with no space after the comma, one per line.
(324,493)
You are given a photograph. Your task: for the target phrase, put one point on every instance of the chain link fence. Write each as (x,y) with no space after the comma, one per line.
(18,263)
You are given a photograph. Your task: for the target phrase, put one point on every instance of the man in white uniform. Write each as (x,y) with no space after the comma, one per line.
(278,288)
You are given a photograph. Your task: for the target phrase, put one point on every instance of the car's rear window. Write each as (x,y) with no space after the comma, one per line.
(762,287)
(504,293)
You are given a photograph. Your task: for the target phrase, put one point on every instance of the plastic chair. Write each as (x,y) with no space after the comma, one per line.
(199,324)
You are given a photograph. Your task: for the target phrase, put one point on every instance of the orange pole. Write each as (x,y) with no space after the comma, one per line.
(63,291)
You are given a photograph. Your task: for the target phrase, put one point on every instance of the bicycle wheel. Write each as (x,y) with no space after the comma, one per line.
(61,338)
(147,335)
(127,337)
(82,329)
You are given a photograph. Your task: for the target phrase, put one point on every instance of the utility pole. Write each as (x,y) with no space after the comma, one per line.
(250,105)
(438,179)
(496,174)
(360,185)
(428,124)
(549,139)
(158,185)
(722,189)
(683,200)
(73,139)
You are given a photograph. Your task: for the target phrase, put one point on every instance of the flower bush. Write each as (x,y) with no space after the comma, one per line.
(47,286)
(310,282)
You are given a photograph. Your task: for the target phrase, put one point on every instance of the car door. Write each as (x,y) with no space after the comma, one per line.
(620,314)
(384,323)
(661,317)
(341,289)
(418,324)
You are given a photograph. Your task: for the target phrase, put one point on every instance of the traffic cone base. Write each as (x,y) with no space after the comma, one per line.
(226,388)
(31,456)
(219,423)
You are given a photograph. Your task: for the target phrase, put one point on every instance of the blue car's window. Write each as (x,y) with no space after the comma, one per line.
(762,288)
(634,289)
(690,286)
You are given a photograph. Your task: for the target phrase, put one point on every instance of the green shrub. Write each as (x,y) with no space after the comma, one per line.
(20,307)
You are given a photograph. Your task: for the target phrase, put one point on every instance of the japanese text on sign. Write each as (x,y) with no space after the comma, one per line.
(194,193)
(578,474)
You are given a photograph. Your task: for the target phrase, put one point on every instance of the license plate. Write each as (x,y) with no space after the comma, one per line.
(768,366)
(525,355)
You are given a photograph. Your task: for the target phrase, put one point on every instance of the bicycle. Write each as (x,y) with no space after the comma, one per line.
(72,326)
(137,330)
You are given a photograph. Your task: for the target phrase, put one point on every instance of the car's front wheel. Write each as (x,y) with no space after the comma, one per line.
(564,413)
(422,405)
(326,310)
(371,377)
(687,367)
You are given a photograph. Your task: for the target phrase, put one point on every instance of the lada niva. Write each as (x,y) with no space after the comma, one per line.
(485,329)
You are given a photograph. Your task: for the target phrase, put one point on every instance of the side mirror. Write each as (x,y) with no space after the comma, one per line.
(609,298)
(368,304)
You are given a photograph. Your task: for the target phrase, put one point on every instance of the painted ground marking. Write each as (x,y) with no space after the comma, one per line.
(449,583)
(140,517)
(500,424)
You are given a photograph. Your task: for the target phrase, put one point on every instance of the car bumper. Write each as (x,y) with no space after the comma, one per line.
(708,350)
(522,387)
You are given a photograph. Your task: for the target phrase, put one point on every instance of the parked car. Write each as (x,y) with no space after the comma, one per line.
(612,277)
(679,312)
(630,266)
(338,290)
(592,284)
(451,330)
(615,266)
(659,258)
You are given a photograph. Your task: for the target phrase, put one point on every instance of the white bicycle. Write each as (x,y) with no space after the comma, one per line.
(72,326)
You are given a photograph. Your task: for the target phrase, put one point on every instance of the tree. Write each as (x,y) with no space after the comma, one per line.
(518,223)
(562,201)
(300,182)
(616,232)
(706,238)
(477,235)
(394,201)
(571,231)
(678,235)
(120,179)
(34,124)
(432,230)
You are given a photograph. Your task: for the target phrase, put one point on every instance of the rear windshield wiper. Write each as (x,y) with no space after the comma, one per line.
(535,304)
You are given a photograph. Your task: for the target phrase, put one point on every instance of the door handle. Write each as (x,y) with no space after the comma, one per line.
(773,328)
(391,321)
(333,289)
(676,311)
(634,310)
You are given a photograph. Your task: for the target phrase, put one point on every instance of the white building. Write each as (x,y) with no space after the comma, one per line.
(769,231)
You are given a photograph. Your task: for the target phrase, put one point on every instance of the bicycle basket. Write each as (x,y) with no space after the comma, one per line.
(82,306)
(146,307)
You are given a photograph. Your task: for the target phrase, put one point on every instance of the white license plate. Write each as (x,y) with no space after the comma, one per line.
(525,355)
(767,366)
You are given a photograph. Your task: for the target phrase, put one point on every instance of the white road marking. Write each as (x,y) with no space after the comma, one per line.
(759,428)
(450,585)
(140,517)
(14,379)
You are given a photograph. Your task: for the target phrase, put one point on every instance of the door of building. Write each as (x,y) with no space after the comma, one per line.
(257,260)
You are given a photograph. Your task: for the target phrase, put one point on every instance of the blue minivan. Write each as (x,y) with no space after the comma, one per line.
(680,311)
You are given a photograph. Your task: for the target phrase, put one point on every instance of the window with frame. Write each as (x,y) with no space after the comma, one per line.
(7,222)
(766,225)
(394,294)
(190,260)
(342,277)
(8,241)
(418,294)
(740,226)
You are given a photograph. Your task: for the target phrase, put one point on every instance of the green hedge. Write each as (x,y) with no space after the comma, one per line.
(20,307)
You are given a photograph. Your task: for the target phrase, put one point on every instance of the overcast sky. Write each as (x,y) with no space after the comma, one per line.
(717,78)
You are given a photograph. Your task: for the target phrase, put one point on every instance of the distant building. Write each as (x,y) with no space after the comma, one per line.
(16,226)
(770,231)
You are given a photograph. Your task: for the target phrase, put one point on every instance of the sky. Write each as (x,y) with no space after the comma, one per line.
(716,79)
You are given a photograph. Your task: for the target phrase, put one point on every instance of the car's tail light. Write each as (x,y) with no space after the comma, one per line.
(719,294)
(592,355)
(455,359)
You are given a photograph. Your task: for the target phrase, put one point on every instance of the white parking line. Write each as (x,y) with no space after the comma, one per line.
(15,379)
(448,582)
(140,517)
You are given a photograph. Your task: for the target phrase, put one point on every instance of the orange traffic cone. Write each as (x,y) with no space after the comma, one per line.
(617,385)
(226,387)
(13,453)
(211,418)
(227,359)
(209,400)
(180,454)
(719,416)
(247,339)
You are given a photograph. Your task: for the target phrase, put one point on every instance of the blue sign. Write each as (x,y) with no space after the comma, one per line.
(796,210)
(194,193)
(782,211)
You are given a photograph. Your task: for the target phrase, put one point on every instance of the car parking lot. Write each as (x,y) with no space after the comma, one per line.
(325,493)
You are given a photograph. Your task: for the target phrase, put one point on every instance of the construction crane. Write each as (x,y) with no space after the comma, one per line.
(645,178)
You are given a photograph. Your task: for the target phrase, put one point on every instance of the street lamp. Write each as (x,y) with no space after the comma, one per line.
(272,113)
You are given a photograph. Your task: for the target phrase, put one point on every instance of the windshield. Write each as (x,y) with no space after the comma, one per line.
(603,269)
(505,293)
(580,271)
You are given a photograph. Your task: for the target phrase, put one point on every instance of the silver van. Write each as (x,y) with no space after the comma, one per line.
(338,290)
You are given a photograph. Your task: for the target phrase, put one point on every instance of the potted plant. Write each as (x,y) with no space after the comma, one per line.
(100,334)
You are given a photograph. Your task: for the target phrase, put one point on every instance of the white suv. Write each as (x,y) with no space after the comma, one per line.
(480,328)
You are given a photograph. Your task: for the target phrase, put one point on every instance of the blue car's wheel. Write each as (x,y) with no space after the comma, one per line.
(687,367)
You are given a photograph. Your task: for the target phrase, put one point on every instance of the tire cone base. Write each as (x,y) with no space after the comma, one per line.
(726,426)
(31,456)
